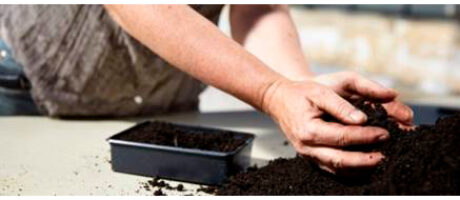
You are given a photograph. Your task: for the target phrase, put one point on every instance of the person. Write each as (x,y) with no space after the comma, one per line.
(124,60)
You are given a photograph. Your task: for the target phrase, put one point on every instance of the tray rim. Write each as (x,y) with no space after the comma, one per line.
(112,140)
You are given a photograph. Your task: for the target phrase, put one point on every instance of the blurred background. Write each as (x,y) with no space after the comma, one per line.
(413,48)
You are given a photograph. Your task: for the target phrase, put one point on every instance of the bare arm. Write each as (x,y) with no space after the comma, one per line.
(196,46)
(267,31)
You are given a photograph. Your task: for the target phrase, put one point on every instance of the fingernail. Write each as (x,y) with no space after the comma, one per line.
(358,116)
(377,156)
(383,137)
(393,91)
(411,113)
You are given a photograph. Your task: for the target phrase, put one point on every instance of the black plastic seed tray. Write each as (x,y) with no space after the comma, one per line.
(177,163)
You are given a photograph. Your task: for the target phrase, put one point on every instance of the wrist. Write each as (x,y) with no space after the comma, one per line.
(270,92)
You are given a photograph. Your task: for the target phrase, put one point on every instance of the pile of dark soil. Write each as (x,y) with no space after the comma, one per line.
(423,161)
(163,133)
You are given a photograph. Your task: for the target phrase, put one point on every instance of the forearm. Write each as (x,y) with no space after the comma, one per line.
(193,44)
(267,31)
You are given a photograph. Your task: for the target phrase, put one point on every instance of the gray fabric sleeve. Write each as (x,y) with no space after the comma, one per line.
(81,63)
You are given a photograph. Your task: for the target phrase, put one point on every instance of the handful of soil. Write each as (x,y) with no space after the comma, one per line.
(419,162)
(164,133)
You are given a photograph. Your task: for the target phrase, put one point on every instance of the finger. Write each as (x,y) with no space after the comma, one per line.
(399,111)
(336,160)
(330,102)
(320,165)
(350,174)
(368,88)
(335,134)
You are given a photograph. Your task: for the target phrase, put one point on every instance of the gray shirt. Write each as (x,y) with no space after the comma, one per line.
(81,63)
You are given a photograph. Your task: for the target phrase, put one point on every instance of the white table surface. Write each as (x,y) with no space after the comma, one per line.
(44,156)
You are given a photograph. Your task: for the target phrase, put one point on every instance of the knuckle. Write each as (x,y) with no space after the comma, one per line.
(341,139)
(296,130)
(323,97)
(337,163)
(369,134)
(300,132)
(350,74)
(343,108)
(311,128)
(315,90)
(309,137)
(354,75)
(298,147)
(372,136)
(302,149)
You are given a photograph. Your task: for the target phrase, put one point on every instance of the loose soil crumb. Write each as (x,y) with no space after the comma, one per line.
(158,192)
(180,188)
(164,133)
(146,187)
(160,185)
(285,143)
(425,161)
(207,189)
(252,168)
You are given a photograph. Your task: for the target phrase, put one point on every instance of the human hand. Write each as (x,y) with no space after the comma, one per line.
(297,107)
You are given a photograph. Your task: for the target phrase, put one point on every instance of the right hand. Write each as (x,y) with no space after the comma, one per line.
(297,107)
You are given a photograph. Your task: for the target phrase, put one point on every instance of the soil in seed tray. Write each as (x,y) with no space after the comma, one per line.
(418,162)
(163,133)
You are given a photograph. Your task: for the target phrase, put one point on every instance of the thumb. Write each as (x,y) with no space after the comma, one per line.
(335,105)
